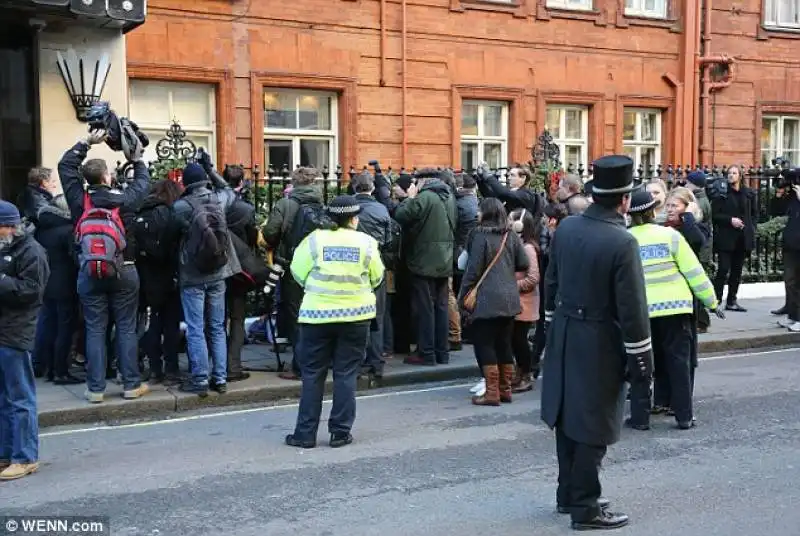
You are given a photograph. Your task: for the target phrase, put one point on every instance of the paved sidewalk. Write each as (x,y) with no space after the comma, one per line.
(60,405)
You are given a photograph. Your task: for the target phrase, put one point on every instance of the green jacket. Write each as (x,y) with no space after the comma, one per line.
(707,251)
(282,216)
(429,225)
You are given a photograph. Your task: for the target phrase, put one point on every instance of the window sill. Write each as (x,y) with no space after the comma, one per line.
(670,23)
(766,31)
(515,8)
(545,12)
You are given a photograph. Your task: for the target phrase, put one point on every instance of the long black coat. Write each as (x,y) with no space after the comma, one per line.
(742,205)
(595,296)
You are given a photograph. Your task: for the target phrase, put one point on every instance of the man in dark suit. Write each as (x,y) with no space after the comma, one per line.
(598,333)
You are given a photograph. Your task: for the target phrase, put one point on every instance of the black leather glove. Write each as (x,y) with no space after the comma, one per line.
(204,159)
(719,311)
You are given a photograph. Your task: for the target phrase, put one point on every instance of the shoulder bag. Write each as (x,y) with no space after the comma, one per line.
(471,298)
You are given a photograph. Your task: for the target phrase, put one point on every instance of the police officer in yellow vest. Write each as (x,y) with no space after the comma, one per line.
(673,276)
(338,269)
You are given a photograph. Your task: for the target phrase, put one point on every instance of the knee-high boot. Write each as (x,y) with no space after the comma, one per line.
(492,395)
(506,379)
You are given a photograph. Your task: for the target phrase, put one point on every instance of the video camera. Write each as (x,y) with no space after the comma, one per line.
(783,175)
(123,134)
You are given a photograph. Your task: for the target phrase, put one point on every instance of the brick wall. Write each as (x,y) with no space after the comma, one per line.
(527,55)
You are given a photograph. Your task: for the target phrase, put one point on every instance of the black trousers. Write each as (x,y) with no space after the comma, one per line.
(291,296)
(339,346)
(235,304)
(491,339)
(521,347)
(729,271)
(403,330)
(163,335)
(791,278)
(429,307)
(672,356)
(578,476)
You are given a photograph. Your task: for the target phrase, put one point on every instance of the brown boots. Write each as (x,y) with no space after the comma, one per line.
(498,385)
(492,395)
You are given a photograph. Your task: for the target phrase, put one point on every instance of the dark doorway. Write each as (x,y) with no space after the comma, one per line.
(18,102)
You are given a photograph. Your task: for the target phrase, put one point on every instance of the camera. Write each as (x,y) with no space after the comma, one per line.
(276,271)
(123,134)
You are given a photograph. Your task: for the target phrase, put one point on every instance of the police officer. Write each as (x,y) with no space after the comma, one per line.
(672,275)
(338,270)
(597,328)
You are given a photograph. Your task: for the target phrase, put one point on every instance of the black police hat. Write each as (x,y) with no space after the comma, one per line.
(613,175)
(641,201)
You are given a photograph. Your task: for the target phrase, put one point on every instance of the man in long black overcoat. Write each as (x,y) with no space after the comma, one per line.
(598,332)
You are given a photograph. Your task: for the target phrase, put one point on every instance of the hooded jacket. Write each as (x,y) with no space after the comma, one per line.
(283,214)
(429,226)
(32,200)
(23,277)
(55,233)
(189,275)
(102,196)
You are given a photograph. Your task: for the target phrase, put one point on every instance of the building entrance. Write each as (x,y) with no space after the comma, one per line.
(18,103)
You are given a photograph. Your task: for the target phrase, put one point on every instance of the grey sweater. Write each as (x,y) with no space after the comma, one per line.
(498,296)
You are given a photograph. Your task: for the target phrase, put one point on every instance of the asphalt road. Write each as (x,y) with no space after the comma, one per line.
(428,463)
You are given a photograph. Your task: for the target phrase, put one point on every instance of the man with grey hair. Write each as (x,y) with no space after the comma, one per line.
(375,221)
(280,232)
(569,193)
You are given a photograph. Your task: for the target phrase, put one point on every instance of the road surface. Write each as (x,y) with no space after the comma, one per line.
(427,462)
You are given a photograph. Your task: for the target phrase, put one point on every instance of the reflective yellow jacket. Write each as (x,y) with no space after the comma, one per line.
(338,270)
(672,272)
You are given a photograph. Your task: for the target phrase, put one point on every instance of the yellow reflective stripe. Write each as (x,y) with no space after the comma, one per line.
(669,278)
(675,243)
(650,268)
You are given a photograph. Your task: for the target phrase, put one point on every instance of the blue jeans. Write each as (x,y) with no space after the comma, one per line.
(54,330)
(19,423)
(102,300)
(199,301)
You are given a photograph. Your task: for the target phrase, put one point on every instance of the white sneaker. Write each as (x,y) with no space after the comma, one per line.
(785,322)
(795,327)
(480,388)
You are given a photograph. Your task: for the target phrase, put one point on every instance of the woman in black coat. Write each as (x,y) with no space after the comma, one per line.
(157,263)
(492,320)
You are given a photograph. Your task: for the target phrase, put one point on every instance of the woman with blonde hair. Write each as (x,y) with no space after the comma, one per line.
(658,189)
(682,212)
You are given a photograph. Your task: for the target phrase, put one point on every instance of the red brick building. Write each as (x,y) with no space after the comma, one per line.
(452,82)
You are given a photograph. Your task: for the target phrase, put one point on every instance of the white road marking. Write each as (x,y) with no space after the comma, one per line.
(294,405)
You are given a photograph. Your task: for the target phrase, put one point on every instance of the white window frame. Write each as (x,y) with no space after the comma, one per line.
(296,134)
(776,146)
(639,10)
(562,143)
(482,138)
(637,143)
(772,14)
(572,5)
(158,131)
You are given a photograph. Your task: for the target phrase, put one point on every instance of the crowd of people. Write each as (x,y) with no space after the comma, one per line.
(90,260)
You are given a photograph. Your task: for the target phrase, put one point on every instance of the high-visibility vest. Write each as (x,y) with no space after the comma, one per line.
(338,271)
(672,272)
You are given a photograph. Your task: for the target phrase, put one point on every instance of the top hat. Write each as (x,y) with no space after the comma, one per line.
(613,175)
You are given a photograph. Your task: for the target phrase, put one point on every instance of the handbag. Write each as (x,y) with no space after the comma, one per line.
(471,298)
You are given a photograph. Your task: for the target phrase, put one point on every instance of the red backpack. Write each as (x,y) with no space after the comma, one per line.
(100,235)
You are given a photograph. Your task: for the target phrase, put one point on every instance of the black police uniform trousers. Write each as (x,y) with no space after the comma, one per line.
(673,341)
(340,346)
(578,476)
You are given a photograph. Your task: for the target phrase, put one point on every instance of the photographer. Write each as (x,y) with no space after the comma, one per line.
(791,250)
(108,283)
(516,195)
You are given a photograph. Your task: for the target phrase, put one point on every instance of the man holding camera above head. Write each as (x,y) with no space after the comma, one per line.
(515,195)
(108,283)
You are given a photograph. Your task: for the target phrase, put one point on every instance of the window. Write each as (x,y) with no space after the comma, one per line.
(646,8)
(641,137)
(570,4)
(780,136)
(569,127)
(300,129)
(154,105)
(783,13)
(484,134)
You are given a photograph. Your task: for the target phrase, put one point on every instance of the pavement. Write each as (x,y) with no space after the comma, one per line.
(60,405)
(427,462)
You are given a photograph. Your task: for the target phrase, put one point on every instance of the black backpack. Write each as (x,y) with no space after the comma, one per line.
(309,218)
(150,229)
(390,247)
(207,237)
